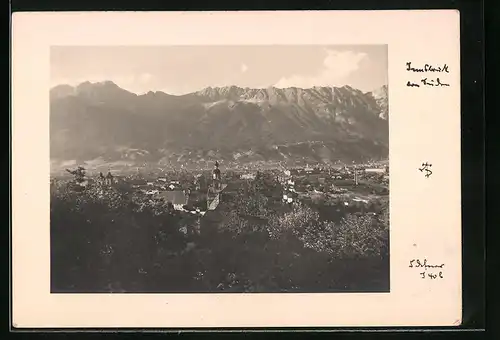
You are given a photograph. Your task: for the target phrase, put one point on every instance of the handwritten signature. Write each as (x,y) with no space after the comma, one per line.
(427,82)
(416,263)
(426,167)
(419,264)
(427,68)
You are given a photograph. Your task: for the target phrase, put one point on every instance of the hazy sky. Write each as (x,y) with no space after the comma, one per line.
(183,69)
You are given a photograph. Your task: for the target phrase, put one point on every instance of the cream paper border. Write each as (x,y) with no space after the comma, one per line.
(424,126)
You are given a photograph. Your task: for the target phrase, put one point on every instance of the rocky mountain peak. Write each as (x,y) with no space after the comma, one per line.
(101,119)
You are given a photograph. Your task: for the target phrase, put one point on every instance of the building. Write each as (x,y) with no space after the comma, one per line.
(137,182)
(289,194)
(216,176)
(214,190)
(109,178)
(249,176)
(375,170)
(101,179)
(178,198)
(213,202)
(289,197)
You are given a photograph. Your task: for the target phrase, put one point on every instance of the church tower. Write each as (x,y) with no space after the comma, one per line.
(216,177)
(213,195)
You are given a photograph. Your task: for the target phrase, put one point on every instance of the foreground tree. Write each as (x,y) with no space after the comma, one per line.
(356,236)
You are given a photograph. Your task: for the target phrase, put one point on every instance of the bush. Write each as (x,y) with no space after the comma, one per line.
(250,201)
(110,239)
(359,236)
(234,223)
(104,234)
(296,222)
(354,237)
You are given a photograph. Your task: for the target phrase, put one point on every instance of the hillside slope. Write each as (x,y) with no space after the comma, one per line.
(328,124)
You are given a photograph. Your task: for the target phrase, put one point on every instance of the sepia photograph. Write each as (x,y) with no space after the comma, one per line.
(202,169)
(180,170)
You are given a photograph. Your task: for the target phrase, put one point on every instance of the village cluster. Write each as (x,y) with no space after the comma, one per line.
(167,229)
(197,192)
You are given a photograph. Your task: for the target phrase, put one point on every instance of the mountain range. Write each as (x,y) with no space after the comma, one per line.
(232,124)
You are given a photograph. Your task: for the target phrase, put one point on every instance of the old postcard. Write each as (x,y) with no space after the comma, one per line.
(236,169)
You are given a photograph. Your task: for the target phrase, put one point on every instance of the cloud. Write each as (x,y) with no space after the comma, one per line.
(337,66)
(244,68)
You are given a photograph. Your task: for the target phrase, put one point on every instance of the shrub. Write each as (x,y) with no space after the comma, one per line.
(359,236)
(126,241)
(105,230)
(355,236)
(250,201)
(301,218)
(234,223)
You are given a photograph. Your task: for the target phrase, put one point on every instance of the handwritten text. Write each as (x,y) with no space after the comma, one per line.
(427,68)
(430,271)
(419,264)
(427,81)
(426,167)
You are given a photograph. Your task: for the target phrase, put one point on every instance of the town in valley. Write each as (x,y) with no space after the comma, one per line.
(199,191)
(191,216)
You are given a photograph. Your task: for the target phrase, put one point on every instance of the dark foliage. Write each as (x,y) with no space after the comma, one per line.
(112,239)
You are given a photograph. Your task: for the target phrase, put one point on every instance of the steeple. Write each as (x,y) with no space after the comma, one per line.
(214,189)
(216,176)
(216,172)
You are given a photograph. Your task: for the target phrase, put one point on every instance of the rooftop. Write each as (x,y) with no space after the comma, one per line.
(175,197)
(212,190)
